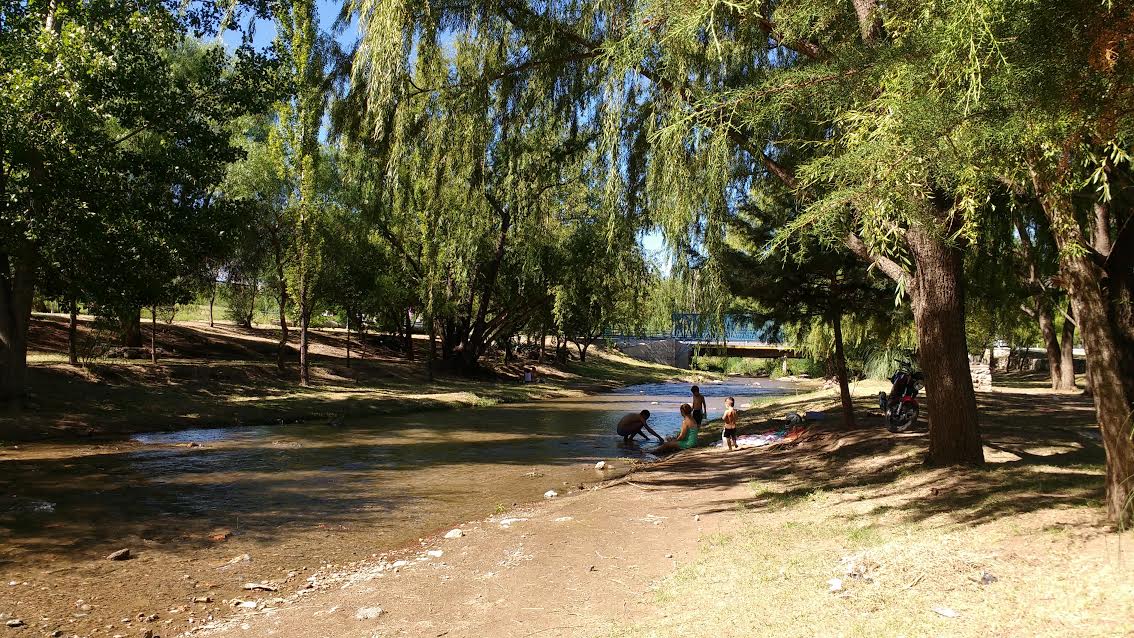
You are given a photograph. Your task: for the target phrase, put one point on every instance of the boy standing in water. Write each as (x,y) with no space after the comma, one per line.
(730,424)
(699,410)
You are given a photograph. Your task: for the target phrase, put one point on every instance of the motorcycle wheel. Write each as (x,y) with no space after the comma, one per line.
(903,417)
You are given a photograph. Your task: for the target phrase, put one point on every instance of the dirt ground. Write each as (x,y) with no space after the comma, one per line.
(843,534)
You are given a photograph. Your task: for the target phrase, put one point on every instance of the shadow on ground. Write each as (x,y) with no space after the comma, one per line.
(1042,451)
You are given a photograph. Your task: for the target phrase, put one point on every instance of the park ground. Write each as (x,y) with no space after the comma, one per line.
(227,375)
(842,533)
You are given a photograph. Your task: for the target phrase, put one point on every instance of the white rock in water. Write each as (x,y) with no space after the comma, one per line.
(601,465)
(454,533)
(550,494)
(368,613)
(435,553)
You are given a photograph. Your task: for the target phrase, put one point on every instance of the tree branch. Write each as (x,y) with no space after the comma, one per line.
(888,266)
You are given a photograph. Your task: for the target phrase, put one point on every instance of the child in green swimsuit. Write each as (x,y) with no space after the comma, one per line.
(686,439)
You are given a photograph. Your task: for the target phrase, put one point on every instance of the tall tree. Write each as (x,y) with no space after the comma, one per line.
(300,118)
(109,144)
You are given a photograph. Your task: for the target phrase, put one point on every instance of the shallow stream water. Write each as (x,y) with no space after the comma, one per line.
(392,478)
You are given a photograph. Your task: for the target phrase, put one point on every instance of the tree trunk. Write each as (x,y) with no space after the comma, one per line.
(251,307)
(1067,355)
(542,343)
(132,329)
(841,373)
(73,334)
(304,325)
(153,334)
(212,300)
(1111,382)
(408,346)
(17,288)
(1050,344)
(869,21)
(938,297)
(281,350)
(1111,355)
(348,339)
(430,351)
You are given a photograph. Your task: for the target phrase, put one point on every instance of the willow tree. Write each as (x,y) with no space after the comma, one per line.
(479,154)
(296,136)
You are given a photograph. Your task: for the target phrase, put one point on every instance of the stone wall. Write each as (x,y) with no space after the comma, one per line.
(670,352)
(982,376)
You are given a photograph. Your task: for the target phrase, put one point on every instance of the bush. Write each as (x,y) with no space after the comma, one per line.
(745,366)
(798,367)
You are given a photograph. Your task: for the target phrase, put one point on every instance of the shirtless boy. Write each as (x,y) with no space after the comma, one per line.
(633,424)
(730,424)
(699,410)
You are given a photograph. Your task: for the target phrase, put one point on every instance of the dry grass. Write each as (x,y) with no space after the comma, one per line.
(909,544)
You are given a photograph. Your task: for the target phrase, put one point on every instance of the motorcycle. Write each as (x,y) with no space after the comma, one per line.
(900,407)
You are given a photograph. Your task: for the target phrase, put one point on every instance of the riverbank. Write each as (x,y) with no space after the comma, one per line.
(841,533)
(227,376)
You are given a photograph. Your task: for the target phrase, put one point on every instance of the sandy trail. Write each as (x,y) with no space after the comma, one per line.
(567,567)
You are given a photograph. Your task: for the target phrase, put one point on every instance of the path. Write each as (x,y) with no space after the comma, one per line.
(565,568)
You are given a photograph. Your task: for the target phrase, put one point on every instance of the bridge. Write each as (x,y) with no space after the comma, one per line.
(694,334)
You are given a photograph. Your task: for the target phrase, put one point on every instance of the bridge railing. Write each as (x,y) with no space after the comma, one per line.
(736,328)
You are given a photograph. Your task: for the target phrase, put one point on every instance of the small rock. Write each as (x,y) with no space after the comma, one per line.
(246,604)
(243,558)
(697,517)
(601,465)
(368,613)
(259,587)
(149,633)
(835,584)
(454,533)
(399,563)
(435,553)
(58,633)
(669,555)
(13,583)
(592,568)
(15,622)
(987,578)
(945,611)
(121,554)
(85,607)
(203,599)
(221,536)
(550,494)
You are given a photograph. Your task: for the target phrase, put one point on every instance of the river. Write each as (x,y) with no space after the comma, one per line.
(306,493)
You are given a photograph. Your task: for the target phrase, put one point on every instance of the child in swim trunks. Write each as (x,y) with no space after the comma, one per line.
(730,424)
